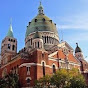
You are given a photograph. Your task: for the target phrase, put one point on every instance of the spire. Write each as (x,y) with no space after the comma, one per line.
(10,31)
(40,8)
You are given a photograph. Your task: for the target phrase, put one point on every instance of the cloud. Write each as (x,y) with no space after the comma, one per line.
(78,22)
(81,37)
(77,27)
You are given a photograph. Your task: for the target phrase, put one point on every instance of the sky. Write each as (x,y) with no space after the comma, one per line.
(71,17)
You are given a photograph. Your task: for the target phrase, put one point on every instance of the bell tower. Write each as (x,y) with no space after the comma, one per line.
(8,46)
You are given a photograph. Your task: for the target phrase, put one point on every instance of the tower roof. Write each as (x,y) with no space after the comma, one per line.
(78,49)
(10,32)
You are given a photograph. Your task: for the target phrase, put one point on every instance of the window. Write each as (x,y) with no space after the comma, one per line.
(38,44)
(35,20)
(15,69)
(9,46)
(42,55)
(8,39)
(13,47)
(51,21)
(14,41)
(28,81)
(45,39)
(11,40)
(43,66)
(28,68)
(43,19)
(54,70)
(35,45)
(39,11)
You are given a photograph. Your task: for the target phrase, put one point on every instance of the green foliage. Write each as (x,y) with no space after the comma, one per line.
(45,82)
(62,79)
(9,81)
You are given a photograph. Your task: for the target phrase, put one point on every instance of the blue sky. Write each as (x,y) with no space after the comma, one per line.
(71,17)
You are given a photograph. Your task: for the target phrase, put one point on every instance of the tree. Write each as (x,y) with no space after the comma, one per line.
(43,82)
(62,79)
(9,81)
(78,82)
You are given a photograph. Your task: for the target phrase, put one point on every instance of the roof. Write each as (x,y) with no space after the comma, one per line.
(43,23)
(78,49)
(59,54)
(10,32)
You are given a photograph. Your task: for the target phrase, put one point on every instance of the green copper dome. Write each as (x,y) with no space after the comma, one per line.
(42,23)
(78,49)
(10,32)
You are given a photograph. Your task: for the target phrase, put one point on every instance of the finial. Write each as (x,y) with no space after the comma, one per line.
(40,2)
(77,44)
(10,21)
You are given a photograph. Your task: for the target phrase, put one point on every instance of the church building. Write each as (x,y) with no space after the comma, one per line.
(42,54)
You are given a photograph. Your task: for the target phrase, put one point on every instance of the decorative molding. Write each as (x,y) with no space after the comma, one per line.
(28,78)
(53,54)
(34,64)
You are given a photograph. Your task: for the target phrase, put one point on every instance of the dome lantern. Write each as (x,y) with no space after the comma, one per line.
(40,9)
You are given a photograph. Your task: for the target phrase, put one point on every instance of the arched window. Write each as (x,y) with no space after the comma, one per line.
(8,39)
(35,45)
(13,47)
(54,70)
(43,66)
(28,69)
(38,44)
(14,41)
(9,46)
(45,39)
(28,81)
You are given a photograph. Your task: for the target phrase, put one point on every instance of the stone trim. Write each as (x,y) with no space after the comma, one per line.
(34,64)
